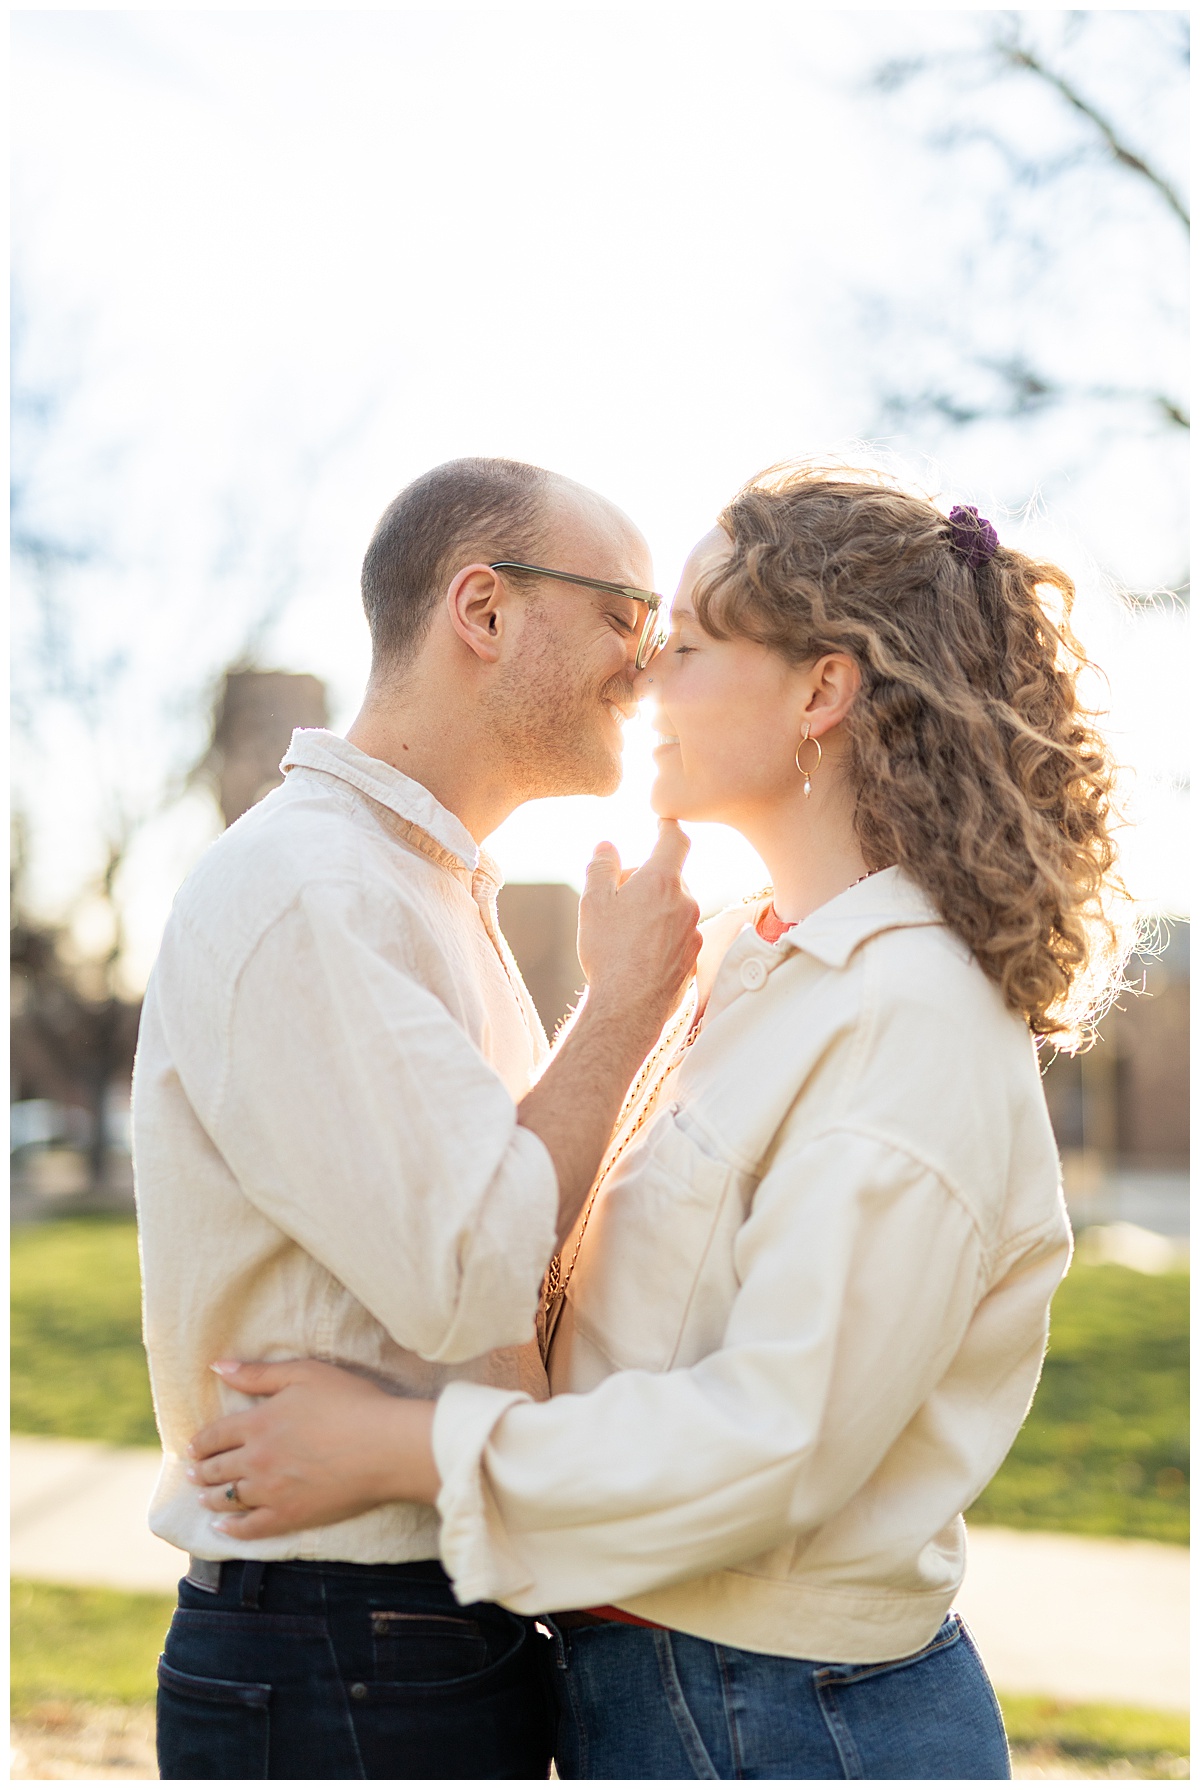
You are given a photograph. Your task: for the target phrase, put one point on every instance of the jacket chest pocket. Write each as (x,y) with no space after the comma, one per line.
(648,1253)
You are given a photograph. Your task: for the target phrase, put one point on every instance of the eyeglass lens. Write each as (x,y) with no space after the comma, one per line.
(651,641)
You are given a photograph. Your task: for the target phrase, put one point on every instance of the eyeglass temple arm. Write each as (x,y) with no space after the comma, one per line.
(651,598)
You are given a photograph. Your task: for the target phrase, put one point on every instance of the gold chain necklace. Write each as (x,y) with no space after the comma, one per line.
(636,1109)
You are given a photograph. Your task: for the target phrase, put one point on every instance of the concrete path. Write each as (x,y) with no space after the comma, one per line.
(1063,1615)
(1077,1617)
(78,1516)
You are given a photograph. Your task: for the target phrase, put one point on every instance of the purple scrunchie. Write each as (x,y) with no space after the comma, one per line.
(972,536)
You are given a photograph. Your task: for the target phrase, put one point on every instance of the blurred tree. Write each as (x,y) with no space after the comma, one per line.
(85,687)
(1057,324)
(72,1033)
(1063,307)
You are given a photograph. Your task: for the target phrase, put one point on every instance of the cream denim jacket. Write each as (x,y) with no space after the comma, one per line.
(808,1314)
(326,1145)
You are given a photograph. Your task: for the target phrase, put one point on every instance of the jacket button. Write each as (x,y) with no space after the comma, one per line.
(358,1691)
(754,972)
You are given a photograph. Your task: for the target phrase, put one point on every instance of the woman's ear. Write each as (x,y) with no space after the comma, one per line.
(475,604)
(835,681)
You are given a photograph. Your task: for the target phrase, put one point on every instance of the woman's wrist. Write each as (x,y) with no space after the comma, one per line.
(407,1469)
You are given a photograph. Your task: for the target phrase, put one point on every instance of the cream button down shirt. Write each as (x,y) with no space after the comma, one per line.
(808,1313)
(327,1154)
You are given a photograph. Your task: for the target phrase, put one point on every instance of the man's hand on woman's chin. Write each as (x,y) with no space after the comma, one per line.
(321,1445)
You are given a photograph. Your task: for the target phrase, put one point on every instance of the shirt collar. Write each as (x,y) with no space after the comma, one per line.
(885,901)
(316,749)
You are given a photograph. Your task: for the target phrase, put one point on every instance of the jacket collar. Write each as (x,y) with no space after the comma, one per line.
(425,823)
(885,901)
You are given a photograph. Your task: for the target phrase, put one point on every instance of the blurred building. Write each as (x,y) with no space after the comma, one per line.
(252,726)
(1121,1110)
(540,921)
(1127,1100)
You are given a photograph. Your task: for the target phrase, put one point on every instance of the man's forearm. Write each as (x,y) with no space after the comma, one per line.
(574,1106)
(637,944)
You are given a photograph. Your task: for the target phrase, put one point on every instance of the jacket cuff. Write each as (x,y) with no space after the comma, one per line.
(508,1249)
(475,1548)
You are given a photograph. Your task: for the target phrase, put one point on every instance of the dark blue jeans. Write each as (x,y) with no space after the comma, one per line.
(319,1669)
(653,1703)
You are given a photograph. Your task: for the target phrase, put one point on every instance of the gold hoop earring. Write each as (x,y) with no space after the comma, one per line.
(808,775)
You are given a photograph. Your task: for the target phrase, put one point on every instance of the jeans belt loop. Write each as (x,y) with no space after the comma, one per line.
(253,1574)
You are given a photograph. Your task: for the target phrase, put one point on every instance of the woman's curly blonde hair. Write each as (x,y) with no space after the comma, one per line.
(975,767)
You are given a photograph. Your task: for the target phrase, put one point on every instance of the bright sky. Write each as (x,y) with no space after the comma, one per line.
(295,258)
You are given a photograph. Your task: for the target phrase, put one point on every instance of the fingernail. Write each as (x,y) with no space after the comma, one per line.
(223,1526)
(193,1474)
(224,1367)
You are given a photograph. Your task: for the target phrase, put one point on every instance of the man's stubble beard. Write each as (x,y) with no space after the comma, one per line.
(551,730)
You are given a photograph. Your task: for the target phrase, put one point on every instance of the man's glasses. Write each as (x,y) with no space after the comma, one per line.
(652,637)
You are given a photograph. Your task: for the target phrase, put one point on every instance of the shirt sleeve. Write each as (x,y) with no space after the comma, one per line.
(359,1117)
(859,1272)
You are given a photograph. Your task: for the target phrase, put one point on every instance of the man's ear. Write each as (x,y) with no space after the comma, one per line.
(475,605)
(835,681)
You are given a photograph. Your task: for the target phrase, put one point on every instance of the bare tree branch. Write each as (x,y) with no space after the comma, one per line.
(1174,413)
(1020,56)
(978,353)
(899,72)
(1025,391)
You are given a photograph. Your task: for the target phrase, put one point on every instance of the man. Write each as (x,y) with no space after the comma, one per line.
(341,1146)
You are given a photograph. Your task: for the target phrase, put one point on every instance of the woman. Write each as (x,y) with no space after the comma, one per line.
(803,1319)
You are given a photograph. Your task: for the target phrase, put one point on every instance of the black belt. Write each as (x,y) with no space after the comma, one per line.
(205,1575)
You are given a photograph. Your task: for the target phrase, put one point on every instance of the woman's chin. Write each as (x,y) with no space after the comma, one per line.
(665,799)
(672,803)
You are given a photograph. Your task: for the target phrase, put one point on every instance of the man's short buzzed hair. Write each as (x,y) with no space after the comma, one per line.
(473,509)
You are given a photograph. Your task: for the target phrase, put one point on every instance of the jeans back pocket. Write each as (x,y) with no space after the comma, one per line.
(931,1714)
(412,1647)
(211,1727)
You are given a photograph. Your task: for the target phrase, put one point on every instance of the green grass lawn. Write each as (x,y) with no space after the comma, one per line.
(72,1646)
(1103,1452)
(78,1368)
(1154,1742)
